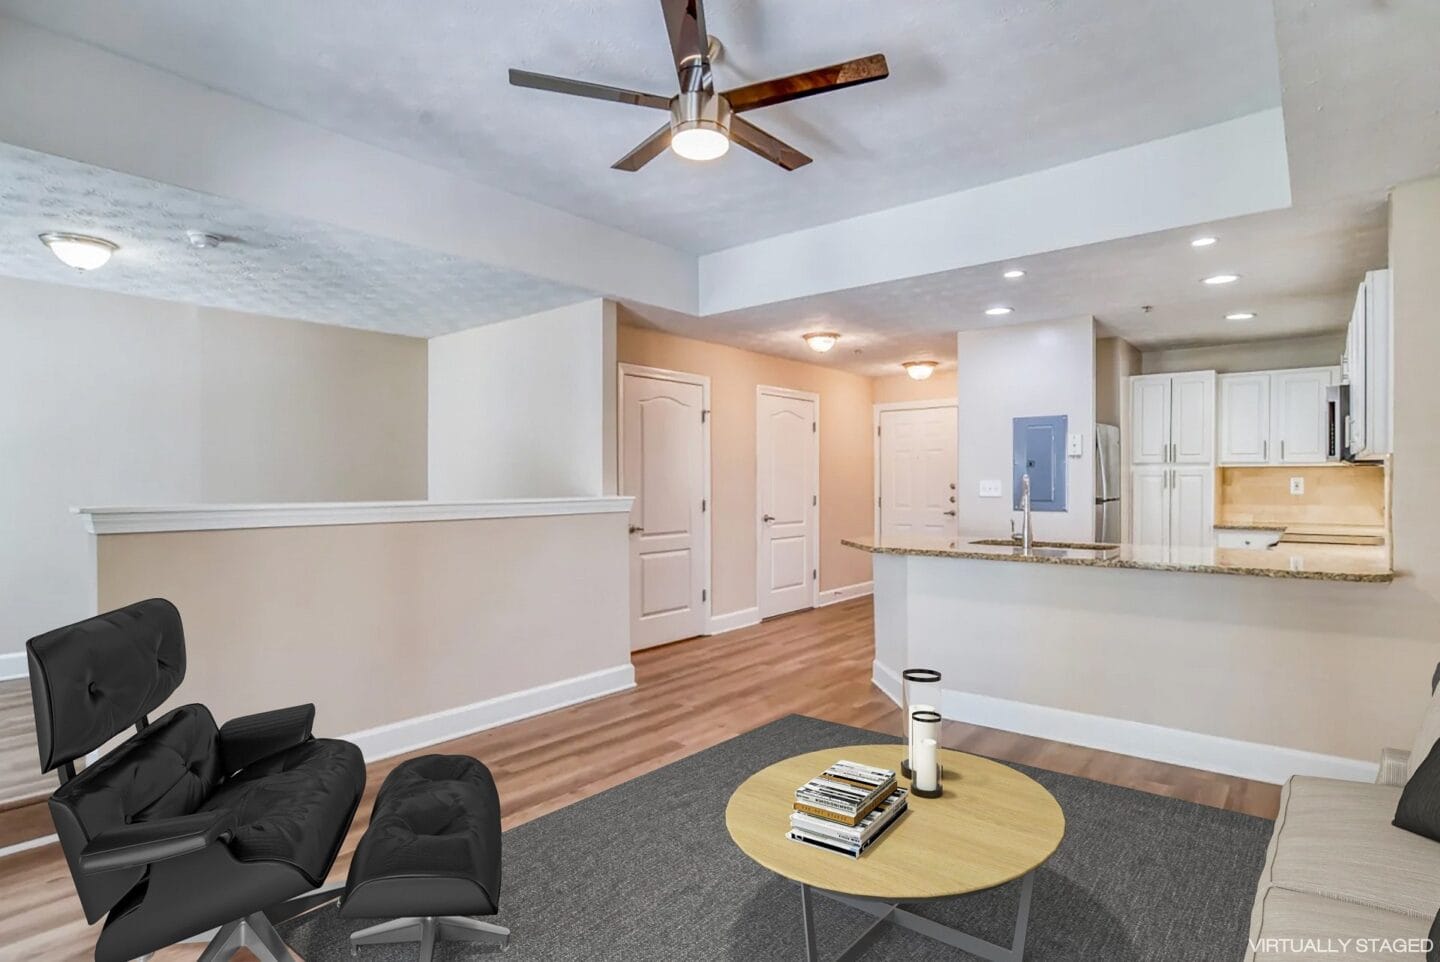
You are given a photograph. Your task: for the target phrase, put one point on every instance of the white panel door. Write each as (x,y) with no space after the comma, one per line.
(917,471)
(1244,418)
(787,496)
(1150,419)
(1192,506)
(1192,417)
(1301,419)
(663,469)
(1150,502)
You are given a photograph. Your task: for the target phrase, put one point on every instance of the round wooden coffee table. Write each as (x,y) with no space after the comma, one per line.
(992,825)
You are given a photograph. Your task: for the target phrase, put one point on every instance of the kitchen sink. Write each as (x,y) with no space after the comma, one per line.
(1061,545)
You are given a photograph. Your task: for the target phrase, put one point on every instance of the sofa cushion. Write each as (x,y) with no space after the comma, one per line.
(1419,808)
(1300,927)
(1334,838)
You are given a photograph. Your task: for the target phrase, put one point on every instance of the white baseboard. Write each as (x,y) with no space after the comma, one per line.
(845,593)
(400,737)
(1213,753)
(13,665)
(730,621)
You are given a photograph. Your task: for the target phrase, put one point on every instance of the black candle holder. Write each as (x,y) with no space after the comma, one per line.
(923,681)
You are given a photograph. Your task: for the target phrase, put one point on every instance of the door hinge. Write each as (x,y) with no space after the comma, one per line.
(813,428)
(877,502)
(704,413)
(814,499)
(814,574)
(703,504)
(877,430)
(704,594)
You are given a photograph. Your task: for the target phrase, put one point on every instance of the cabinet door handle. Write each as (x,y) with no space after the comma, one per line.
(1282,449)
(1265,450)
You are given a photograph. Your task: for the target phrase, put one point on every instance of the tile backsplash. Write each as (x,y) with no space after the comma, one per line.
(1334,494)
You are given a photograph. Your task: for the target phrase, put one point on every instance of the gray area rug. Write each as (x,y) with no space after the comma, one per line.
(646,871)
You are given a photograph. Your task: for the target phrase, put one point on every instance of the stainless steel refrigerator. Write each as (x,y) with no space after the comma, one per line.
(1107,483)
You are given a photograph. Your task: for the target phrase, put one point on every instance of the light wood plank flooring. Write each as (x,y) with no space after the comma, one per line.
(690,695)
(20,777)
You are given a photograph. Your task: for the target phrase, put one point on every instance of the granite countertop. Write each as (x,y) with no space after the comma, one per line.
(1315,562)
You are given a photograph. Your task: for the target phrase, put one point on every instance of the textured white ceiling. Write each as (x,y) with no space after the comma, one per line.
(1299,269)
(979,90)
(272,264)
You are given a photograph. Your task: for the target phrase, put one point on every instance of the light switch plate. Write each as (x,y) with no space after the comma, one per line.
(990,489)
(1297,485)
(1077,445)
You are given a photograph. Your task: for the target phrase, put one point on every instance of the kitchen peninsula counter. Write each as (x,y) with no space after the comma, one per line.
(1314,562)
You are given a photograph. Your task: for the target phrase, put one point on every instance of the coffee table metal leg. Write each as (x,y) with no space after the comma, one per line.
(888,912)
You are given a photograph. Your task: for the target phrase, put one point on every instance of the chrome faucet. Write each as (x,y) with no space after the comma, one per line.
(1025,535)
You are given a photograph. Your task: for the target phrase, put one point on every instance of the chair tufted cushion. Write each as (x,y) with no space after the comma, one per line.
(433,846)
(93,679)
(294,806)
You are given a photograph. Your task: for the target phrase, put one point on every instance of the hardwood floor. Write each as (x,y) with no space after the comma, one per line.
(690,695)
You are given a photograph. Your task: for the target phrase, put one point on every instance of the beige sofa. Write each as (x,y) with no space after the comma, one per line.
(1337,870)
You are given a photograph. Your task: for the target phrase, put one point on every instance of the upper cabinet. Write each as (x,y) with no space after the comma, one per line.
(1172,418)
(1369,367)
(1276,417)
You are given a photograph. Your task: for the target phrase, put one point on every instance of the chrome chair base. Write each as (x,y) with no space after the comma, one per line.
(429,929)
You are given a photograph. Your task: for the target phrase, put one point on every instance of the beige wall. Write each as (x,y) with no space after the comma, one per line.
(377,623)
(1115,361)
(900,387)
(112,399)
(1321,350)
(1025,370)
(846,452)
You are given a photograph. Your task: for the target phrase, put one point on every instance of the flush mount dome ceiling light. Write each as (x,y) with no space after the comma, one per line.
(703,120)
(1215,279)
(1241,316)
(1203,241)
(920,370)
(821,341)
(998,311)
(80,251)
(1013,274)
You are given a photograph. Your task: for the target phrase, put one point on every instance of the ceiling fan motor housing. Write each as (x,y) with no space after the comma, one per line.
(700,110)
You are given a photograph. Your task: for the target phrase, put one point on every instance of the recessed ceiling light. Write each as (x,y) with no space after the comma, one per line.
(79,251)
(1013,274)
(821,341)
(200,239)
(1202,241)
(1222,279)
(1241,316)
(998,311)
(920,370)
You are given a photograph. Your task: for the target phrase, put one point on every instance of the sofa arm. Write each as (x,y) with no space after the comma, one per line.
(249,738)
(1394,767)
(141,843)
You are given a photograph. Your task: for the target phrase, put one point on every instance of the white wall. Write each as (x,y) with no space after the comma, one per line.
(526,407)
(111,399)
(1319,350)
(1028,370)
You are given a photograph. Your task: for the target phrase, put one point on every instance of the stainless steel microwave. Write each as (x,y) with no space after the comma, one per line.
(1337,407)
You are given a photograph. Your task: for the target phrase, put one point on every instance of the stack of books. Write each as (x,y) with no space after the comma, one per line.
(847,808)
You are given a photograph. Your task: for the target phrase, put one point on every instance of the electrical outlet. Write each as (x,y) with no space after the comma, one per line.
(990,489)
(1297,485)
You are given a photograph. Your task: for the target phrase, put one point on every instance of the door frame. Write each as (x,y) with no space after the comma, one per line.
(680,377)
(760,390)
(875,454)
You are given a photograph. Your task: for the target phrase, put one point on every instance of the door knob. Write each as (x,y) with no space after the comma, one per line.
(767,518)
(635,527)
(950,513)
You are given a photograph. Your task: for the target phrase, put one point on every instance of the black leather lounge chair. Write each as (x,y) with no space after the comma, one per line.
(184,826)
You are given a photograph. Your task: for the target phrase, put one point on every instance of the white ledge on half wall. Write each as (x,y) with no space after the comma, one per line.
(223,517)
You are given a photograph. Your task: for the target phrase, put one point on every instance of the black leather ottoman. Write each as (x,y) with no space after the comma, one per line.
(430,858)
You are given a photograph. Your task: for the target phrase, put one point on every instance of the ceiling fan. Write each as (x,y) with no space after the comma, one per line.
(703,122)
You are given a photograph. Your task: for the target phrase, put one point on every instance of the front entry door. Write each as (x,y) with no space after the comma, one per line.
(917,471)
(663,468)
(787,445)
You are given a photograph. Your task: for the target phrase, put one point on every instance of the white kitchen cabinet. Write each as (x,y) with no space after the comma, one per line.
(1244,418)
(1275,417)
(1370,368)
(1192,506)
(1150,502)
(1300,426)
(1172,418)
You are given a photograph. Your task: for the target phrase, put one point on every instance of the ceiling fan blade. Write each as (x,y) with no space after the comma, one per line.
(580,88)
(747,135)
(650,148)
(821,80)
(685,23)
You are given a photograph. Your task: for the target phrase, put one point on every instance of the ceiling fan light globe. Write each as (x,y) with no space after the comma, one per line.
(919,370)
(699,142)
